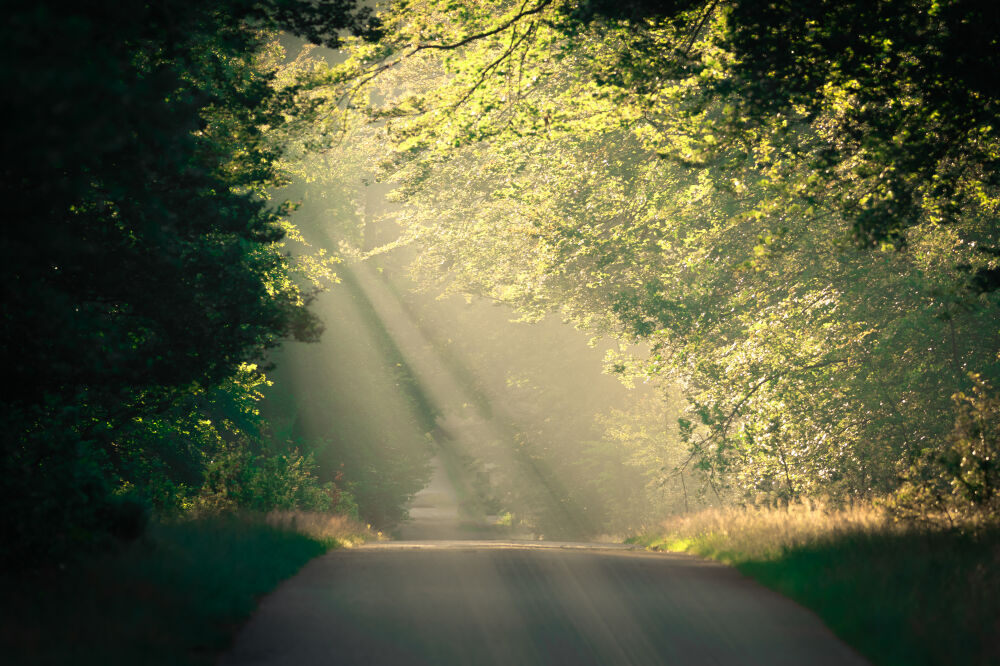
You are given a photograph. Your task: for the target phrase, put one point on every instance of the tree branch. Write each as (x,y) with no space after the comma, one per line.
(471,38)
(735,412)
(699,26)
(721,432)
(493,65)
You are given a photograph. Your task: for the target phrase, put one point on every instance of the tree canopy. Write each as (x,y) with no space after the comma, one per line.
(794,205)
(789,208)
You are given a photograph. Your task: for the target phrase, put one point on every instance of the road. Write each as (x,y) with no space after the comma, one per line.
(453,602)
(448,601)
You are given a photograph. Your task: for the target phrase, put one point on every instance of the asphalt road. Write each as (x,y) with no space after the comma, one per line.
(445,601)
(454,602)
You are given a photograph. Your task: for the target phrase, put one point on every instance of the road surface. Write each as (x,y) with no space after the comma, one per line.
(449,601)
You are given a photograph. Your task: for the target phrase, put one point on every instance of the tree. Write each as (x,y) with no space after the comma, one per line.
(899,97)
(142,265)
(805,240)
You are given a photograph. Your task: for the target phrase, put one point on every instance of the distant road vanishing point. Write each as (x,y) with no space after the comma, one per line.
(520,603)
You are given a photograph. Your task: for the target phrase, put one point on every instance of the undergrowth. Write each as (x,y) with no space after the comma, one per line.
(900,594)
(176,596)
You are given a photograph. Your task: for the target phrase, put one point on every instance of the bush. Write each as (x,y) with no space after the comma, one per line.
(961,481)
(239,478)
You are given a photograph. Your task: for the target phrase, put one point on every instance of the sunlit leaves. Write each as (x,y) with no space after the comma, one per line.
(649,176)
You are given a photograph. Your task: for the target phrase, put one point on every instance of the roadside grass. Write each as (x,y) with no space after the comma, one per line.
(332,530)
(176,596)
(898,594)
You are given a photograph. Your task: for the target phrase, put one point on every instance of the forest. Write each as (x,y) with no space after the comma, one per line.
(791,207)
(776,223)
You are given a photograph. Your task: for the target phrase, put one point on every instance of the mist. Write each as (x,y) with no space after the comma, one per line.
(531,434)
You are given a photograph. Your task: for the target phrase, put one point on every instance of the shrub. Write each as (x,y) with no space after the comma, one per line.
(239,478)
(961,480)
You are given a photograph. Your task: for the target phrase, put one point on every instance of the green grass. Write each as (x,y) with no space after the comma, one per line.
(175,597)
(898,595)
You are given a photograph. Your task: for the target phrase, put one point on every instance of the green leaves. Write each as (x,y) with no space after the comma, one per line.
(144,268)
(783,202)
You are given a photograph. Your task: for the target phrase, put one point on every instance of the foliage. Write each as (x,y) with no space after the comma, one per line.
(899,98)
(238,478)
(803,236)
(646,439)
(972,456)
(958,481)
(144,268)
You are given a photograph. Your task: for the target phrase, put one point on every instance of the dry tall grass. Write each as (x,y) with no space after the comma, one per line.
(902,593)
(761,533)
(323,526)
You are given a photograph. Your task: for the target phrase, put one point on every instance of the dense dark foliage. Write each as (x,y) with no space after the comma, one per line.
(139,264)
